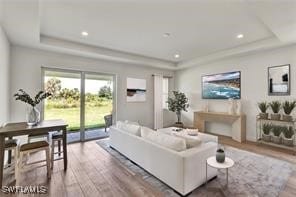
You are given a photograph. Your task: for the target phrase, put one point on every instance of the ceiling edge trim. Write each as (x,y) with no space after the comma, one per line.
(264,44)
(104,53)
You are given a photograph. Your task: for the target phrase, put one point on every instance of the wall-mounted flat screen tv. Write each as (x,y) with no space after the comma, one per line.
(222,86)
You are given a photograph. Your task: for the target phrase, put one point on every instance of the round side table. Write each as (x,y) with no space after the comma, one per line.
(211,161)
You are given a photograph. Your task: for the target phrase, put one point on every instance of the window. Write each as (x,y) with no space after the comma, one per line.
(165,92)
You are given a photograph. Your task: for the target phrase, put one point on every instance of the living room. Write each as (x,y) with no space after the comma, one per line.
(199,96)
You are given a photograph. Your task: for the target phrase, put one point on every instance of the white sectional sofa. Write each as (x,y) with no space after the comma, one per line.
(181,170)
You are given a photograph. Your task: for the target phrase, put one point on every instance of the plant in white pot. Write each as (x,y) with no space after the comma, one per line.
(263,106)
(288,138)
(266,128)
(33,115)
(275,107)
(276,137)
(177,104)
(288,107)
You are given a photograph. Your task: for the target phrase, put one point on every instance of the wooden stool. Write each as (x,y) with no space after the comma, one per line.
(28,148)
(13,145)
(56,137)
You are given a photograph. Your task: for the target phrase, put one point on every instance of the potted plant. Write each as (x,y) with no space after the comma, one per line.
(266,128)
(263,106)
(33,115)
(276,130)
(275,106)
(177,104)
(288,136)
(288,107)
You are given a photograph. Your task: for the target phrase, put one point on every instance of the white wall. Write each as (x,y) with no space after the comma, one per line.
(26,73)
(4,76)
(253,85)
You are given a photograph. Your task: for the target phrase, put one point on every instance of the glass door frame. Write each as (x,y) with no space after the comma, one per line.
(82,95)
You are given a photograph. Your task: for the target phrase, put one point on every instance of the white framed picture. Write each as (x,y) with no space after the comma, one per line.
(136,90)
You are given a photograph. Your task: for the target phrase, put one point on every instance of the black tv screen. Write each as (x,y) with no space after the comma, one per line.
(222,86)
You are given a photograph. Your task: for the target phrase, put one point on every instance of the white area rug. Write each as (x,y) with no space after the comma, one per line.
(252,175)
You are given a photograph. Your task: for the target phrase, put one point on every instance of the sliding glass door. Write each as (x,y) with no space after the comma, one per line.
(98,104)
(82,99)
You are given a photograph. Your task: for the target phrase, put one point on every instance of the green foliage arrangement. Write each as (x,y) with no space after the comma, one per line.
(288,132)
(23,96)
(277,130)
(263,106)
(178,103)
(288,107)
(275,106)
(266,128)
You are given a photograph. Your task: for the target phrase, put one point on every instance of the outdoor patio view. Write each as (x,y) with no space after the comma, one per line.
(66,99)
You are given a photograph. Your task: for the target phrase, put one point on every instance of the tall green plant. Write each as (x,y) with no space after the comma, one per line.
(266,128)
(277,130)
(263,106)
(178,103)
(23,96)
(288,107)
(275,106)
(288,132)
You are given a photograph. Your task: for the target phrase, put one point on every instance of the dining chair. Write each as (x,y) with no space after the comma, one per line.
(12,145)
(56,137)
(33,147)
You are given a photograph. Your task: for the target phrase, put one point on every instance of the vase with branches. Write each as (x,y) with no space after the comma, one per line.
(33,115)
(177,104)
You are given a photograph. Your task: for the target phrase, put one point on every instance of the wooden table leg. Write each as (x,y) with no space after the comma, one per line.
(9,153)
(65,148)
(2,141)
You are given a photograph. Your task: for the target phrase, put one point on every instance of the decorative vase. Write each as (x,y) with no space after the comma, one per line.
(206,107)
(238,108)
(263,115)
(33,116)
(266,138)
(287,118)
(288,141)
(231,106)
(220,155)
(276,139)
(275,116)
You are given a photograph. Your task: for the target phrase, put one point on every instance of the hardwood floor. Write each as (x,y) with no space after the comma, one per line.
(93,172)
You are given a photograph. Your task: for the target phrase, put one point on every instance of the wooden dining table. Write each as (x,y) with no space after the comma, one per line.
(21,128)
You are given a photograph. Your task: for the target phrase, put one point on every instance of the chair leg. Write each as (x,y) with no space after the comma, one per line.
(59,147)
(19,169)
(16,167)
(48,163)
(52,154)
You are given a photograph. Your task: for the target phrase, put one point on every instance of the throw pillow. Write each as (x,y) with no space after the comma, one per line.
(167,141)
(190,141)
(145,131)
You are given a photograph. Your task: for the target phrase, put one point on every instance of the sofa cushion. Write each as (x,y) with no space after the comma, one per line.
(167,141)
(130,128)
(190,140)
(131,122)
(145,131)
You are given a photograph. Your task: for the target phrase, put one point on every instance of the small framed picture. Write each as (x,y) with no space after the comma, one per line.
(279,80)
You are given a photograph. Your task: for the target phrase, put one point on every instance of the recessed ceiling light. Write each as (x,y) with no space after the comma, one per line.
(166,35)
(176,55)
(240,36)
(84,33)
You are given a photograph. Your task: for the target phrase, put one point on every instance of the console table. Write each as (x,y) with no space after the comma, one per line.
(238,122)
